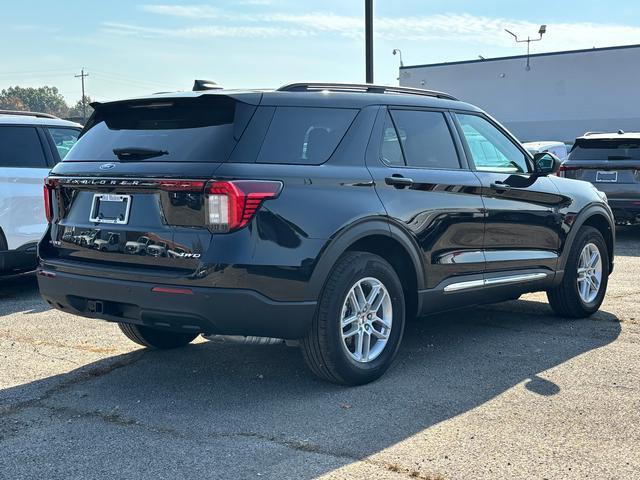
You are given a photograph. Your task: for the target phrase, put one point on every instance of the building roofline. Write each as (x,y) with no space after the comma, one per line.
(515,57)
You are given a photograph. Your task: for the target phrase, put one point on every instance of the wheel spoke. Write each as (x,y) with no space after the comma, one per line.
(384,323)
(350,333)
(366,345)
(359,344)
(381,334)
(355,305)
(375,290)
(593,261)
(349,320)
(376,306)
(359,294)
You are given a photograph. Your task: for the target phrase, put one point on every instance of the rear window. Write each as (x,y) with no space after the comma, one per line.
(304,135)
(21,147)
(597,149)
(202,129)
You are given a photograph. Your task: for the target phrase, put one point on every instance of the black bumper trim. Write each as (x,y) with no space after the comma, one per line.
(207,310)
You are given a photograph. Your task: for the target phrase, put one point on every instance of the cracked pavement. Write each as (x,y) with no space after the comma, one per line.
(502,391)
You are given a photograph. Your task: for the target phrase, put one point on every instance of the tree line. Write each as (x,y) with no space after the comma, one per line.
(41,99)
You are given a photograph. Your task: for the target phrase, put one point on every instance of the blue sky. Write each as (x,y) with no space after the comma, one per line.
(133,47)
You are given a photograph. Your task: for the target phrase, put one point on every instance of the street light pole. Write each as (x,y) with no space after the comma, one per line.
(542,31)
(368,39)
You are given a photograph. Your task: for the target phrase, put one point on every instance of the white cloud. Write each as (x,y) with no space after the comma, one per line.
(187,11)
(208,31)
(446,27)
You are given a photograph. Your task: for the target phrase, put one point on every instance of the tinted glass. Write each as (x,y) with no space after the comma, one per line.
(390,150)
(426,139)
(201,129)
(64,138)
(304,135)
(491,149)
(21,147)
(596,149)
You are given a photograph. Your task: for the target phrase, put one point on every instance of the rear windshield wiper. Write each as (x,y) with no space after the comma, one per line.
(131,154)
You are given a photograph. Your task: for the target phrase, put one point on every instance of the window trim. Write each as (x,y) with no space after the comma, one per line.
(462,161)
(463,139)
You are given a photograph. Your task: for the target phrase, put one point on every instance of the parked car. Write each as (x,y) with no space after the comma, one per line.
(559,149)
(611,162)
(138,247)
(323,213)
(110,244)
(30,144)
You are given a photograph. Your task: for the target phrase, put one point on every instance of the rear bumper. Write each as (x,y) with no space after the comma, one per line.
(204,310)
(625,211)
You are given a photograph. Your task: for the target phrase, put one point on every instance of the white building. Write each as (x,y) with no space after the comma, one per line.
(563,95)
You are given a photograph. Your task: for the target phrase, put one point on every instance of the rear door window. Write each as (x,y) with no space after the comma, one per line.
(199,129)
(425,139)
(304,135)
(21,147)
(64,139)
(606,149)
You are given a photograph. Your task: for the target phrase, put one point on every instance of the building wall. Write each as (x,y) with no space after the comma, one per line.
(560,98)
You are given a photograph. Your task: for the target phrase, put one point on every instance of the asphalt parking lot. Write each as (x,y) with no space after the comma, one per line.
(504,391)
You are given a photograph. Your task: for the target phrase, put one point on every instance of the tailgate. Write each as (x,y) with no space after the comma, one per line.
(150,223)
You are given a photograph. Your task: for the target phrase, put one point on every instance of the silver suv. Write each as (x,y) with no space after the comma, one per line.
(30,144)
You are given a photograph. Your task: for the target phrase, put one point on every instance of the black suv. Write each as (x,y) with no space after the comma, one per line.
(324,213)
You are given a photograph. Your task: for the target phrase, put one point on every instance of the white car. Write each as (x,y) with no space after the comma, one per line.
(30,144)
(559,149)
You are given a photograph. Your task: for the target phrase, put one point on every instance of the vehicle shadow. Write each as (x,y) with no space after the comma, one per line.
(214,393)
(20,294)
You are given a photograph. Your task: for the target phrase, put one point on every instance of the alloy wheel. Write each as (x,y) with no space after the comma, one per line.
(589,273)
(366,320)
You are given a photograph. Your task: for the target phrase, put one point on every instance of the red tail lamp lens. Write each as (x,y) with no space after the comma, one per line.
(232,204)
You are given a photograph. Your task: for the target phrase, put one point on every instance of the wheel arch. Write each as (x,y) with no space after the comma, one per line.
(376,236)
(595,216)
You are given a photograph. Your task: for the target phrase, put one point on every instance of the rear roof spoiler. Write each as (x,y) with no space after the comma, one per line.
(200,85)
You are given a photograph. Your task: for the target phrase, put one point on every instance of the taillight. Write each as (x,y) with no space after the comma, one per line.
(232,204)
(48,206)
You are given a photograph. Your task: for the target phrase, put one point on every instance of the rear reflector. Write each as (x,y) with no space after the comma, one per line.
(232,204)
(178,291)
(46,273)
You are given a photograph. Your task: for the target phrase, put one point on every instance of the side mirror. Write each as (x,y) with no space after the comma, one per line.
(546,163)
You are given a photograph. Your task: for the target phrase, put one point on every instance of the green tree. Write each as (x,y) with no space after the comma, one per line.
(42,99)
(76,110)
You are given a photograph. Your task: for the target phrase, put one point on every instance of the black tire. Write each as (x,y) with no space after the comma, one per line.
(155,338)
(565,299)
(323,348)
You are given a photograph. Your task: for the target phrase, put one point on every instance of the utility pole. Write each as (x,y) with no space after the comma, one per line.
(368,39)
(84,100)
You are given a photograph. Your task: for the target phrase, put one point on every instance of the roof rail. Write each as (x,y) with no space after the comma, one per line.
(586,134)
(363,88)
(27,114)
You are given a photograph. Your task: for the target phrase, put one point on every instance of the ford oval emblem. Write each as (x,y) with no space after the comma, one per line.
(107,166)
